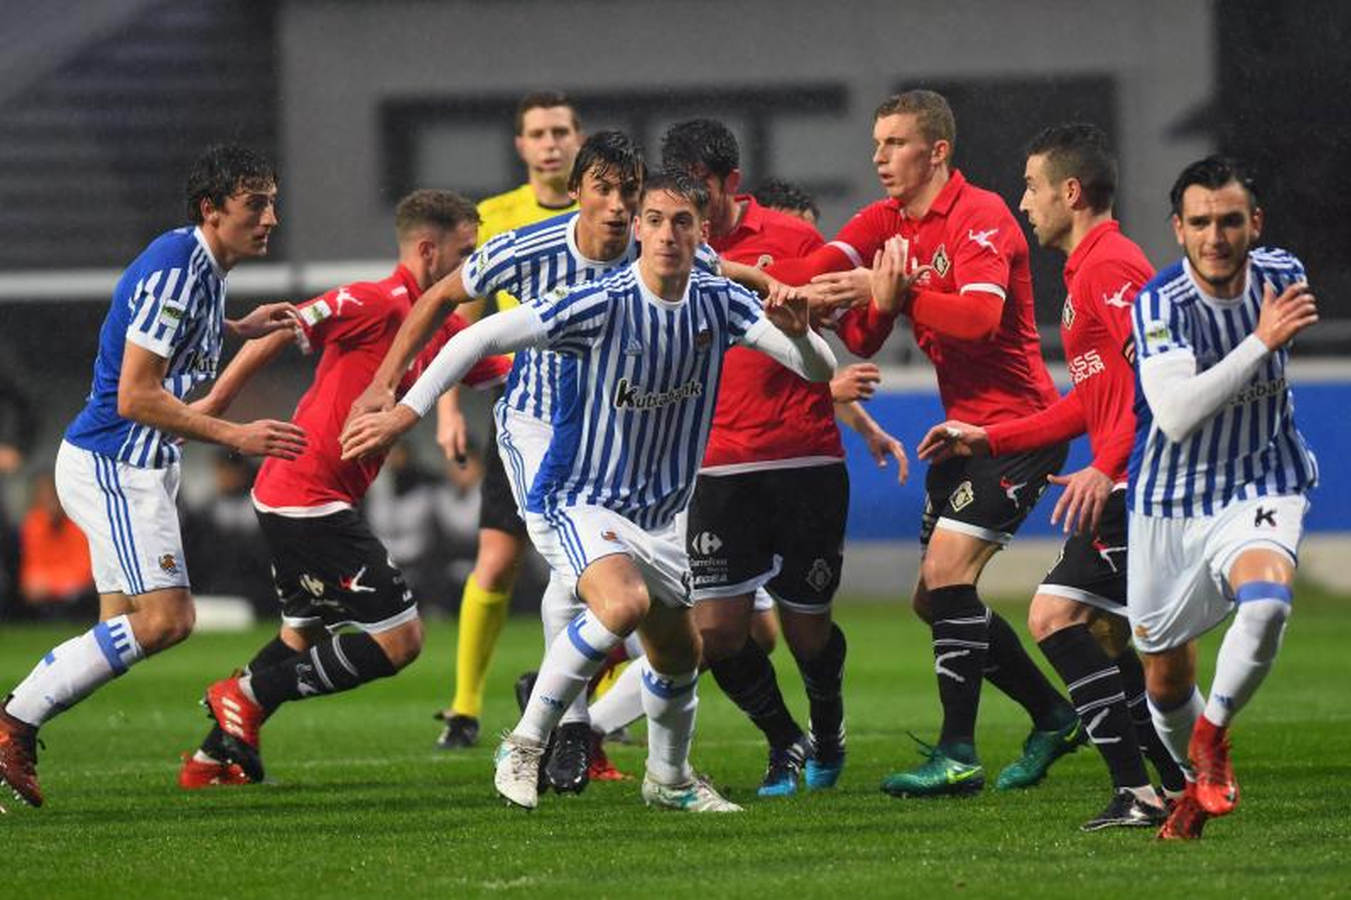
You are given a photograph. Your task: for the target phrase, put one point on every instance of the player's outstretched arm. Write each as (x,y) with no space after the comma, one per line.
(141,397)
(785,335)
(264,320)
(251,359)
(1182,399)
(426,316)
(371,433)
(879,443)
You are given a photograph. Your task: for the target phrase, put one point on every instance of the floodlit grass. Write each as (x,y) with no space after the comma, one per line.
(363,805)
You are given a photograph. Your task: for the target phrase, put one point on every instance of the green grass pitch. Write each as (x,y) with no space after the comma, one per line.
(365,806)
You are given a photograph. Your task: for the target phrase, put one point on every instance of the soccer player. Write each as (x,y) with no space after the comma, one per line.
(962,278)
(1070,179)
(772,496)
(1218,475)
(787,197)
(548,137)
(645,348)
(117,470)
(330,570)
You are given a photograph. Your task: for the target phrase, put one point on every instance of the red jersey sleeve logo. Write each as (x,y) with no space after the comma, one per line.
(984,238)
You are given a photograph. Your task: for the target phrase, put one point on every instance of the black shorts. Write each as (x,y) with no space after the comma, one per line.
(1092,569)
(782,529)
(332,571)
(987,497)
(498,507)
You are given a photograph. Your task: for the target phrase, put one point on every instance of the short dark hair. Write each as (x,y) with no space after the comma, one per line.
(446,210)
(681,184)
(1214,172)
(700,144)
(1079,150)
(221,170)
(779,194)
(608,152)
(545,100)
(931,112)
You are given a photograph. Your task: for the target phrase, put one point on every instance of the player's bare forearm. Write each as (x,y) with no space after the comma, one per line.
(251,358)
(747,276)
(427,314)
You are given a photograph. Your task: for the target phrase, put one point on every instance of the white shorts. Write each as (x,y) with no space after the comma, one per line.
(573,537)
(1177,569)
(522,441)
(129,516)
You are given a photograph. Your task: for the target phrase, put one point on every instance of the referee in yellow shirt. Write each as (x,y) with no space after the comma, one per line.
(548,136)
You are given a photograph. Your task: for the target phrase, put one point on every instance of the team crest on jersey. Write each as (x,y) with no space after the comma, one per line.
(764,262)
(313,586)
(608,535)
(1067,312)
(962,497)
(168,563)
(940,262)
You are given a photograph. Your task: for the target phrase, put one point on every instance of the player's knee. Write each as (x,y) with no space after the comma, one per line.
(764,632)
(721,642)
(403,644)
(919,602)
(164,627)
(1048,615)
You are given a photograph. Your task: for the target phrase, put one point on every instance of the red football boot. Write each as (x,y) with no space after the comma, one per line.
(1185,819)
(19,759)
(240,718)
(196,773)
(600,768)
(1216,787)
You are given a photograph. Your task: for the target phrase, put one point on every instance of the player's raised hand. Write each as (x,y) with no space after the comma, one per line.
(894,273)
(791,316)
(856,382)
(1285,316)
(952,438)
(1085,497)
(268,437)
(375,433)
(265,319)
(833,291)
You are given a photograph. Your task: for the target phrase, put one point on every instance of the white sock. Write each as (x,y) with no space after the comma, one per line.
(74,670)
(1175,726)
(670,702)
(1246,655)
(557,608)
(623,702)
(574,655)
(633,646)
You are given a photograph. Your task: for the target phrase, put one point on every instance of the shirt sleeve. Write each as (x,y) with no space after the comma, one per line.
(504,332)
(573,318)
(863,235)
(487,372)
(1055,424)
(1111,289)
(744,310)
(160,306)
(987,241)
(344,314)
(493,267)
(706,259)
(1159,327)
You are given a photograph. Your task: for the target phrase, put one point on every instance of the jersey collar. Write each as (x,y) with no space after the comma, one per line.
(947,196)
(201,239)
(1090,240)
(752,222)
(404,276)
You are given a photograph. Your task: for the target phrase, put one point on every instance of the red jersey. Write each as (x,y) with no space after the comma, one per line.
(353,326)
(1102,276)
(972,243)
(765,411)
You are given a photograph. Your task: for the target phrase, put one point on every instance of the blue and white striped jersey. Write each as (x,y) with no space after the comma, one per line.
(171,301)
(1251,447)
(528,263)
(631,435)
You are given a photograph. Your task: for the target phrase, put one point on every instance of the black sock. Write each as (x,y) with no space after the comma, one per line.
(961,641)
(270,654)
(338,664)
(1133,680)
(1095,689)
(823,678)
(747,678)
(1013,672)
